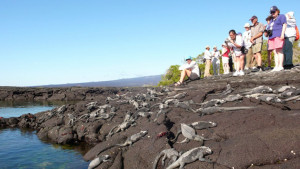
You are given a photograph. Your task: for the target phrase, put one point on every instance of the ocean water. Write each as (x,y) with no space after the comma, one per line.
(22,149)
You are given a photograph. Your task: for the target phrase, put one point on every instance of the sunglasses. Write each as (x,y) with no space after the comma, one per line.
(272,12)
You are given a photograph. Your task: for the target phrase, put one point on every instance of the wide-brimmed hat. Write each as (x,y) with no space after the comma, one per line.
(207,47)
(224,44)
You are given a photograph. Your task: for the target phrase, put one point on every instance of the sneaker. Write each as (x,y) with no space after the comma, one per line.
(255,69)
(280,68)
(275,69)
(246,68)
(268,68)
(241,73)
(235,73)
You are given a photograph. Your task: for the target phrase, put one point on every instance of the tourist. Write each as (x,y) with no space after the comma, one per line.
(225,58)
(236,42)
(257,30)
(250,62)
(276,36)
(216,61)
(268,19)
(207,57)
(290,35)
(189,69)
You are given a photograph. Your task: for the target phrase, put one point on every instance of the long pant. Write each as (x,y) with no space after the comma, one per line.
(250,61)
(216,66)
(288,51)
(207,67)
(230,63)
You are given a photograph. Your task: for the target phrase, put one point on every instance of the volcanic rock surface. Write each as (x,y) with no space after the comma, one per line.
(257,120)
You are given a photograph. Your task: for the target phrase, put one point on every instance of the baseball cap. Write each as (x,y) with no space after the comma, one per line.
(253,17)
(273,9)
(247,25)
(188,58)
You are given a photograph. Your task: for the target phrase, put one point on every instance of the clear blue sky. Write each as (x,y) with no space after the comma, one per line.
(70,41)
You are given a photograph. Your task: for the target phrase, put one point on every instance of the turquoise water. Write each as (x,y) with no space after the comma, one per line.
(21,149)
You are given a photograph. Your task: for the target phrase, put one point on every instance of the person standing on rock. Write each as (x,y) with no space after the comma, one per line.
(268,19)
(225,58)
(290,35)
(250,62)
(236,42)
(190,69)
(207,57)
(277,29)
(216,61)
(257,30)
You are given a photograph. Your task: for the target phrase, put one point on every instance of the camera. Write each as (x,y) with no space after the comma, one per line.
(227,40)
(269,32)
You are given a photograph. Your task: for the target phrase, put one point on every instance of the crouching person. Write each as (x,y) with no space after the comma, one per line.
(189,69)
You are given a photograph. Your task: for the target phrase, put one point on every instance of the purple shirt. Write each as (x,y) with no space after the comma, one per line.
(277,26)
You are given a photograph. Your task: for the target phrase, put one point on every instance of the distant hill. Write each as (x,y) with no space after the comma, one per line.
(130,82)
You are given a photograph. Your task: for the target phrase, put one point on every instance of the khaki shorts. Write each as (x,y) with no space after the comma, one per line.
(257,48)
(193,76)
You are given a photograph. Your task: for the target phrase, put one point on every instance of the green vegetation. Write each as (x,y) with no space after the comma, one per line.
(173,74)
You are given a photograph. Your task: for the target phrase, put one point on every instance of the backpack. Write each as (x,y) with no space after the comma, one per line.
(297,33)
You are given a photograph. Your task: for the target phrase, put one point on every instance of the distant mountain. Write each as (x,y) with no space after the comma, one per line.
(130,82)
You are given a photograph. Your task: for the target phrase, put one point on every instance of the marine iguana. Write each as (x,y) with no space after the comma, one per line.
(98,160)
(190,156)
(190,134)
(134,138)
(211,110)
(198,126)
(171,153)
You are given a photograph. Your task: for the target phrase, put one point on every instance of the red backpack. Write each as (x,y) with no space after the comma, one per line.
(297,33)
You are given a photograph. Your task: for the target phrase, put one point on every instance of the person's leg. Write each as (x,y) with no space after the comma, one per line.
(269,58)
(242,58)
(249,58)
(214,66)
(258,55)
(184,73)
(275,60)
(218,68)
(280,57)
(288,51)
(207,67)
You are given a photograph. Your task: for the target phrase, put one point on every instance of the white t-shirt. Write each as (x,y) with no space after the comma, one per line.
(216,54)
(246,39)
(238,41)
(207,54)
(193,65)
(291,24)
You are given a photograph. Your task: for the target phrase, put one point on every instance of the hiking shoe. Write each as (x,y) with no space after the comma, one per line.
(255,69)
(268,68)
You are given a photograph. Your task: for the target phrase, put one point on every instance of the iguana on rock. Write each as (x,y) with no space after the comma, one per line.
(171,153)
(190,156)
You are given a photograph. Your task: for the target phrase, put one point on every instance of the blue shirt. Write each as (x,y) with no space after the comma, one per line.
(277,26)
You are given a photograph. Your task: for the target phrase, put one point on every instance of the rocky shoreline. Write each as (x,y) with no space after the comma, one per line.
(247,122)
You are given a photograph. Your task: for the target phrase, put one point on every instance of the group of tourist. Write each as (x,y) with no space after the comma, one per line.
(244,50)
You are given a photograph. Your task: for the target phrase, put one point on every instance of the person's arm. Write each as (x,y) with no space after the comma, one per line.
(191,65)
(283,31)
(236,43)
